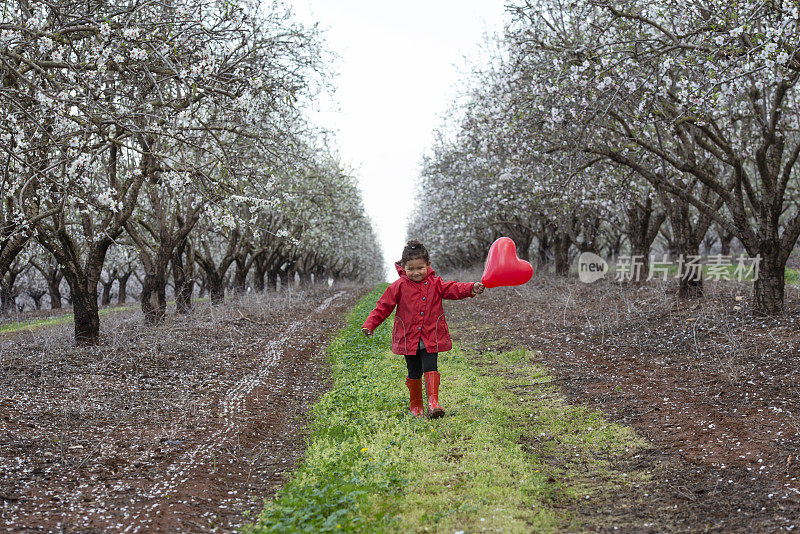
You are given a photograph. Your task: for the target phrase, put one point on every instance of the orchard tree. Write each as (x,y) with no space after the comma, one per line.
(710,93)
(103,100)
(222,143)
(494,169)
(121,262)
(48,269)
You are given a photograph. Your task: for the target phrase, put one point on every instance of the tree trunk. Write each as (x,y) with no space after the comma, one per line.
(615,247)
(154,295)
(690,275)
(85,310)
(687,241)
(122,287)
(201,289)
(523,237)
(52,276)
(183,277)
(171,228)
(54,290)
(768,288)
(524,246)
(583,233)
(320,277)
(644,222)
(259,273)
(688,233)
(215,288)
(672,250)
(183,297)
(87,318)
(272,280)
(7,301)
(561,245)
(265,269)
(106,298)
(725,243)
(708,244)
(240,277)
(640,262)
(214,274)
(543,252)
(36,296)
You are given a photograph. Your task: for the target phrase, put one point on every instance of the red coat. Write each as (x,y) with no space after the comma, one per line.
(419,311)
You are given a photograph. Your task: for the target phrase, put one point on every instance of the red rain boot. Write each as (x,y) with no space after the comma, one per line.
(432,385)
(415,392)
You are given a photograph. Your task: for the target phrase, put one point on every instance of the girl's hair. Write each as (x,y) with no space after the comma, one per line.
(415,250)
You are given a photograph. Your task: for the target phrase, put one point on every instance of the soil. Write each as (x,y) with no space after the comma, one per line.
(189,426)
(713,389)
(184,427)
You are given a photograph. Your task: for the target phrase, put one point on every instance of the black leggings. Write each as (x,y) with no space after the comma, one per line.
(421,362)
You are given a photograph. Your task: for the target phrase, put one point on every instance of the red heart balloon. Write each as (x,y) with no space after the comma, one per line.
(503,266)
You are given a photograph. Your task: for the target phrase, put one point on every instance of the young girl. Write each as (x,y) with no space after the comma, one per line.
(420,330)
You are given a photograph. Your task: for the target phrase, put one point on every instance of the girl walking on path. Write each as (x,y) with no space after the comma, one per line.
(420,330)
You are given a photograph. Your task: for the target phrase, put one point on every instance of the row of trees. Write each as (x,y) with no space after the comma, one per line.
(34,281)
(601,124)
(169,133)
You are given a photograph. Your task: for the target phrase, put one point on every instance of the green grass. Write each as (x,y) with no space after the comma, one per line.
(34,323)
(790,275)
(510,454)
(727,272)
(67,318)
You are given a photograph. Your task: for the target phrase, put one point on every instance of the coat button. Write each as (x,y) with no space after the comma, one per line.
(425,283)
(422,313)
(423,298)
(419,328)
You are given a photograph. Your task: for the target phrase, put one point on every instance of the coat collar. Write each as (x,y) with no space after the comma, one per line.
(402,272)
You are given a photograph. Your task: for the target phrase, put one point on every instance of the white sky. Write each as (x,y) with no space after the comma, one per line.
(398,71)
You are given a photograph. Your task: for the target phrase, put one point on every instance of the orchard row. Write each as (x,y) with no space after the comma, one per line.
(168,138)
(605,126)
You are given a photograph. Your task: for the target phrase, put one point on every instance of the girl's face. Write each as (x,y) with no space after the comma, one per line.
(416,269)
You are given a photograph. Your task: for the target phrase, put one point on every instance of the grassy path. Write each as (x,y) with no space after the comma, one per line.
(510,455)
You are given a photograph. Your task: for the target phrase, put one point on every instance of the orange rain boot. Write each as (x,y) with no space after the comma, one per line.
(415,392)
(432,385)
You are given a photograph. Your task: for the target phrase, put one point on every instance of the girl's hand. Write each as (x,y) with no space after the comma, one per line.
(367,331)
(477,288)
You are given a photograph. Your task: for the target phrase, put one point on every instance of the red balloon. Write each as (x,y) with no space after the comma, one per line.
(503,266)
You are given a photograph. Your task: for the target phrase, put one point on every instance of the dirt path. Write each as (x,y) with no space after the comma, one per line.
(185,428)
(715,390)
